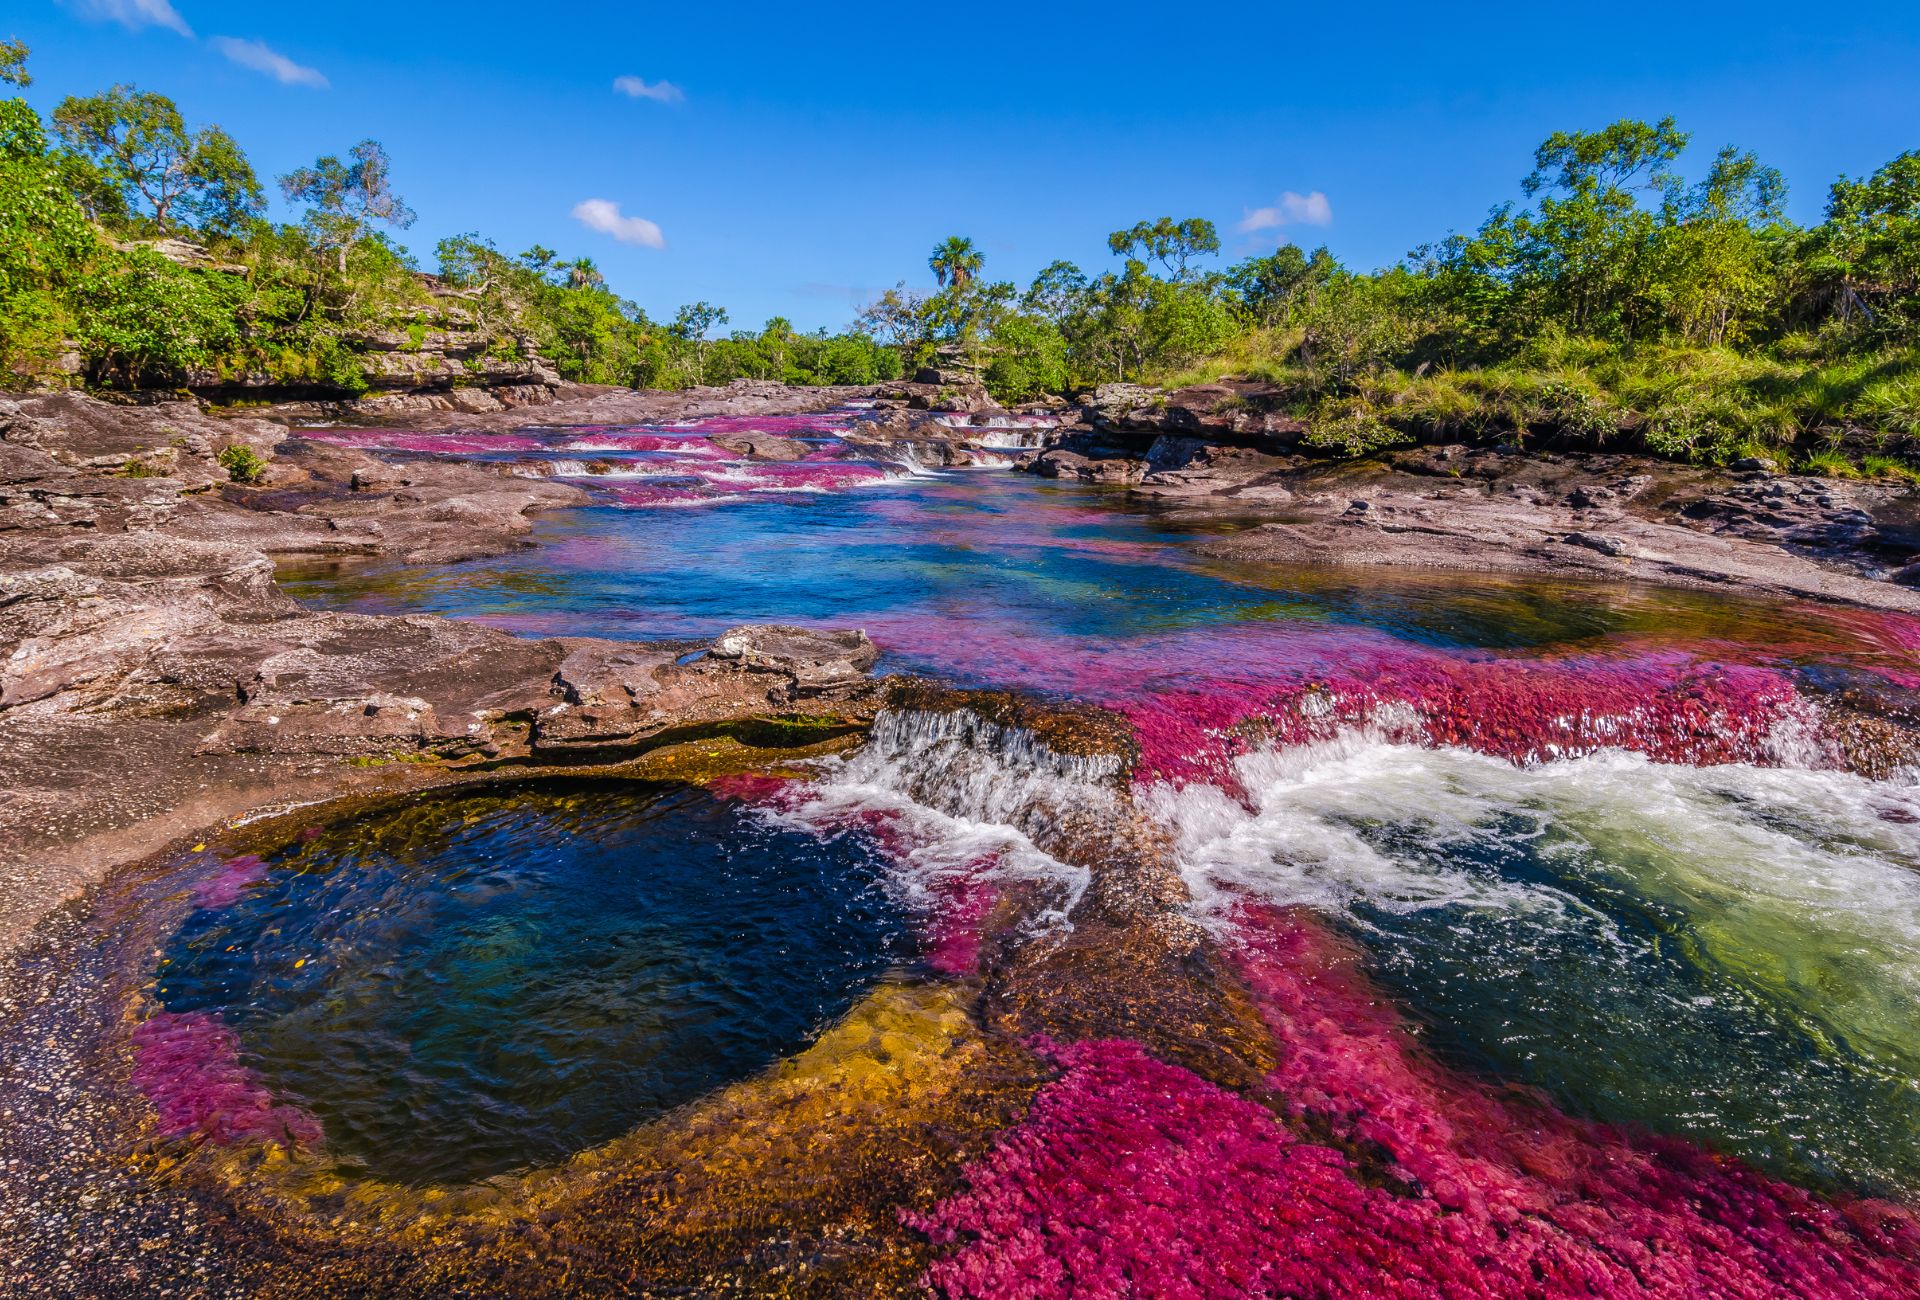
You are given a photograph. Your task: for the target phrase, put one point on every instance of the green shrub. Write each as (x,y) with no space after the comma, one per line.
(144,320)
(242,463)
(1351,426)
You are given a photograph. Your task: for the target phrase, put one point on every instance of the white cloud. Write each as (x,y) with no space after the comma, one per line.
(261,57)
(604,216)
(1292,210)
(133,14)
(664,92)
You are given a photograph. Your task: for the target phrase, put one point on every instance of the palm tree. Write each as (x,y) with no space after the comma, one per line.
(583,274)
(955,262)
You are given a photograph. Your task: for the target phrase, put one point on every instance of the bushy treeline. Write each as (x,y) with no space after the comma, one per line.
(88,199)
(1616,300)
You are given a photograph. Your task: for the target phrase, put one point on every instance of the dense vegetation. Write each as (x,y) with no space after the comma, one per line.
(1614,302)
(89,200)
(1617,304)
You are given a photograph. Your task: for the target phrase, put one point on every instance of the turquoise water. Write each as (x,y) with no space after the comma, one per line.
(975,572)
(475,984)
(1705,966)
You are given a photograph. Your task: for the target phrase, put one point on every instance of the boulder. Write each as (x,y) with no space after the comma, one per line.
(1064,464)
(615,698)
(762,446)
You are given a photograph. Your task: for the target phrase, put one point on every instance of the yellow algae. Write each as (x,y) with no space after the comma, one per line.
(819,1151)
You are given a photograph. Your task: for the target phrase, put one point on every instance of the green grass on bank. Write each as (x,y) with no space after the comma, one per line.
(1856,415)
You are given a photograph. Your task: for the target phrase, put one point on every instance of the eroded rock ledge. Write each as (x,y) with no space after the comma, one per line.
(154,680)
(1223,452)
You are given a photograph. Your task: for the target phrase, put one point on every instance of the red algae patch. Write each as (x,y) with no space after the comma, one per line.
(1666,706)
(188,1065)
(1130,1176)
(1533,1201)
(1198,699)
(224,887)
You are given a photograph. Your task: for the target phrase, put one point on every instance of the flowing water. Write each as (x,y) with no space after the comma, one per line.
(1600,847)
(1724,951)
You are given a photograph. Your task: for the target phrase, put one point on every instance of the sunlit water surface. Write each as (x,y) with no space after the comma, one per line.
(479,983)
(1727,952)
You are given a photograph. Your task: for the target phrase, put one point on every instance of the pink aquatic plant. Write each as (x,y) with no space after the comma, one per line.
(188,1065)
(234,877)
(956,925)
(1667,706)
(1199,698)
(1130,1176)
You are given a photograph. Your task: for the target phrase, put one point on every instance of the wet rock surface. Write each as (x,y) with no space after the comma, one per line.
(1617,517)
(153,679)
(1228,449)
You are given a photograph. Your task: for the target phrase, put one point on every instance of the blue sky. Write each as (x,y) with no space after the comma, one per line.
(804,156)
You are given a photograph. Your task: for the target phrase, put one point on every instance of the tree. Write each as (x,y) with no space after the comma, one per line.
(1628,154)
(955,262)
(584,273)
(1027,357)
(1713,266)
(899,319)
(691,326)
(45,241)
(1136,325)
(1171,243)
(1058,292)
(13,64)
(1870,244)
(1582,258)
(143,155)
(1268,288)
(347,197)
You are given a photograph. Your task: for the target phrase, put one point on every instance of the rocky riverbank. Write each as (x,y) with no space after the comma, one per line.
(1079,1004)
(1212,451)
(154,680)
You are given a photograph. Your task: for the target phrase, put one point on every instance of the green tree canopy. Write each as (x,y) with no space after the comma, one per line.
(955,261)
(1173,244)
(143,156)
(45,240)
(347,197)
(1269,287)
(13,64)
(1871,242)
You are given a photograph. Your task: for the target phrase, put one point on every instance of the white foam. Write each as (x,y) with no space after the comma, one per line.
(965,792)
(1801,883)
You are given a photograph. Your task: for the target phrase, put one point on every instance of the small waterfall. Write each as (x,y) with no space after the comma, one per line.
(960,797)
(1012,439)
(908,460)
(919,733)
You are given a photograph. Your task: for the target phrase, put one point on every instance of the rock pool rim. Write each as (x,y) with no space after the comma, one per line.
(668,889)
